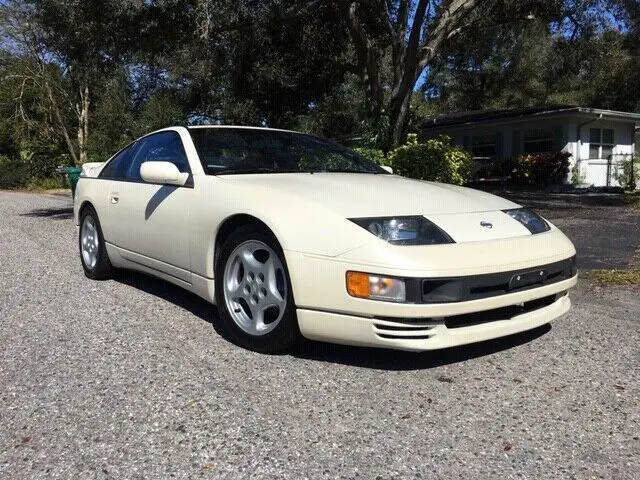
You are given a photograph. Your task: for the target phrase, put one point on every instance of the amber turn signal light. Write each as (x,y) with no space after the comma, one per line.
(375,287)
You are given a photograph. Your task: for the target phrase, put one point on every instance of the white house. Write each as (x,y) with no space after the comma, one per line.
(598,140)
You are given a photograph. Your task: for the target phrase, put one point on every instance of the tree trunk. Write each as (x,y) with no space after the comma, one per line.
(60,122)
(399,117)
(410,51)
(203,19)
(83,123)
(368,57)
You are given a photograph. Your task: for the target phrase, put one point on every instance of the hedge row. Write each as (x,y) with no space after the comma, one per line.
(439,160)
(19,172)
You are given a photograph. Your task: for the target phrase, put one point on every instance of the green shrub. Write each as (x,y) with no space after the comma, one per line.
(373,154)
(32,171)
(629,172)
(43,166)
(52,183)
(437,160)
(41,159)
(541,169)
(578,177)
(498,168)
(13,173)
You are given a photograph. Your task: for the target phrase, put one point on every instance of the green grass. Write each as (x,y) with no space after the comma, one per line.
(613,277)
(43,184)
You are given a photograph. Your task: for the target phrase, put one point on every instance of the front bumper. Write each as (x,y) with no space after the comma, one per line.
(419,335)
(327,312)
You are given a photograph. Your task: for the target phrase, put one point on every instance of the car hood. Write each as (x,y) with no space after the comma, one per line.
(363,195)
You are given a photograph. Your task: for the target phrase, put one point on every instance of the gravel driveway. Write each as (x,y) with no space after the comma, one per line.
(605,231)
(129,379)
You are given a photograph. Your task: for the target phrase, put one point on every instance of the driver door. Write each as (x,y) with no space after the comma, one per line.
(149,222)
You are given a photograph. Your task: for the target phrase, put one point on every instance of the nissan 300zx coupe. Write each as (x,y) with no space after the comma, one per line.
(293,236)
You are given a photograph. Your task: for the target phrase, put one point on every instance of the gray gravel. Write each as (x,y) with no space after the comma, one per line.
(129,379)
(604,230)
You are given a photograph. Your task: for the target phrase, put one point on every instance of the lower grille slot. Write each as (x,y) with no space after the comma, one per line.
(403,331)
(492,289)
(402,337)
(470,319)
(552,276)
(401,328)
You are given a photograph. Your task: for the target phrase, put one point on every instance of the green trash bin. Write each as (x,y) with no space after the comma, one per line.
(73,174)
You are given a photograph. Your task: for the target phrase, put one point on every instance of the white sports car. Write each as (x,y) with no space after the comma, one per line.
(291,235)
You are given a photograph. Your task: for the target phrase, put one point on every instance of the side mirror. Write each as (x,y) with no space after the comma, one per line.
(388,169)
(165,173)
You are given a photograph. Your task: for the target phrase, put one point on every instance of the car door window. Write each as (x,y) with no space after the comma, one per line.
(161,147)
(119,164)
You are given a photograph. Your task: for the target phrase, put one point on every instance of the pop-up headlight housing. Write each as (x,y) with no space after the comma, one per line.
(530,219)
(405,230)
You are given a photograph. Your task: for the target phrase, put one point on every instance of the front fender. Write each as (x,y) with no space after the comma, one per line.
(299,225)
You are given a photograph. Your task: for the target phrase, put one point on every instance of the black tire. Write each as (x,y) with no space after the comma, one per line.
(102,270)
(286,334)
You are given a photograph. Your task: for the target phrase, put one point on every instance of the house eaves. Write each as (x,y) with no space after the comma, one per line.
(499,116)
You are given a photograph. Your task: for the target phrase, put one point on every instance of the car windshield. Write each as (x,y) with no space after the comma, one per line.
(225,151)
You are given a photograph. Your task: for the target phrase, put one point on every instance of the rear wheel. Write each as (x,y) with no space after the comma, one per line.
(93,252)
(253,292)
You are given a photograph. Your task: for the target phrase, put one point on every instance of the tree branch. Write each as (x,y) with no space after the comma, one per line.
(448,25)
(61,125)
(367,57)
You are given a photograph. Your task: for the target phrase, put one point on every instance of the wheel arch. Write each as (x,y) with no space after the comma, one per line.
(81,208)
(232,223)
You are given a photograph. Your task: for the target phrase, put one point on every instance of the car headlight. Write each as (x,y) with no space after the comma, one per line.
(413,230)
(530,219)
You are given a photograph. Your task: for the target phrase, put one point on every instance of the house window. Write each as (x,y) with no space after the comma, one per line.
(538,141)
(600,142)
(483,146)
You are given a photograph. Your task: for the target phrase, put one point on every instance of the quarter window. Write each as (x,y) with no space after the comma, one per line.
(601,142)
(160,147)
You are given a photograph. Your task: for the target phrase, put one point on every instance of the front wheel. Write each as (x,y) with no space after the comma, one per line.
(93,252)
(253,292)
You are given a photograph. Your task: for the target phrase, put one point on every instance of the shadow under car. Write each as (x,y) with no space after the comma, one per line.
(374,358)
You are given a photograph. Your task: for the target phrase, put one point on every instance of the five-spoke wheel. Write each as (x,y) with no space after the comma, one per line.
(89,242)
(253,291)
(93,252)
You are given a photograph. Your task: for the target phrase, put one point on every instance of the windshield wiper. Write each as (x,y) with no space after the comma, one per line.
(353,171)
(241,171)
(246,170)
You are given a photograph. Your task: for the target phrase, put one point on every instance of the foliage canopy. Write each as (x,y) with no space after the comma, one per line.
(81,78)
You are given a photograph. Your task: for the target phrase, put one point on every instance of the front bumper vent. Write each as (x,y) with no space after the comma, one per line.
(424,328)
(463,289)
(404,330)
(477,318)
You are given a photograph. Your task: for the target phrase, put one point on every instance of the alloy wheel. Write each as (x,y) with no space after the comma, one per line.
(90,242)
(255,287)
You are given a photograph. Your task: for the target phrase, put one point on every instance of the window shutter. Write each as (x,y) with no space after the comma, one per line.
(499,145)
(515,144)
(558,138)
